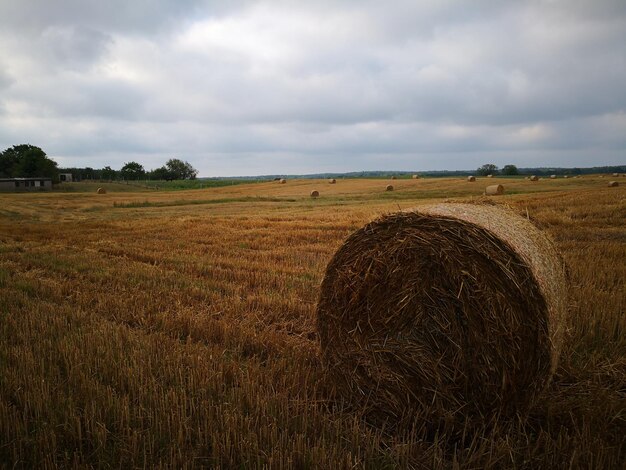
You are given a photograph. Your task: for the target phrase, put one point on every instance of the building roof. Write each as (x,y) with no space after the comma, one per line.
(38,178)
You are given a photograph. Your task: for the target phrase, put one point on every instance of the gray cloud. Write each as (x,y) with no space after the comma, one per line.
(328,85)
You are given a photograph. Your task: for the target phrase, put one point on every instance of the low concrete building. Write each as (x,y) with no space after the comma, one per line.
(25,184)
(65,177)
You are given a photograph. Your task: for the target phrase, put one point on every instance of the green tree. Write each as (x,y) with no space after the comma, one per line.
(487,169)
(161,173)
(108,173)
(181,170)
(27,161)
(510,170)
(132,171)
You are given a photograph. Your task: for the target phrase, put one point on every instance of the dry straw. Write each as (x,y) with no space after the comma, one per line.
(315,193)
(389,188)
(494,190)
(101,191)
(332,181)
(613,184)
(448,315)
(471,178)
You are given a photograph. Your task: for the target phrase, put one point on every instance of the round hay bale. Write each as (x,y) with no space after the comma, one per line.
(389,188)
(282,181)
(534,178)
(552,177)
(489,176)
(393,177)
(494,190)
(449,314)
(615,174)
(332,181)
(315,194)
(101,191)
(613,184)
(565,176)
(416,177)
(471,178)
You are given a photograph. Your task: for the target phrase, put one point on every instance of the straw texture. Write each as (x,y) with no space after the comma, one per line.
(448,314)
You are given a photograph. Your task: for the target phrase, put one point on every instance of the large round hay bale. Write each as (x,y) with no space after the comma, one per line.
(489,176)
(613,184)
(565,176)
(552,177)
(534,178)
(315,193)
(494,190)
(332,181)
(282,181)
(615,174)
(471,178)
(393,177)
(416,177)
(389,188)
(101,191)
(449,314)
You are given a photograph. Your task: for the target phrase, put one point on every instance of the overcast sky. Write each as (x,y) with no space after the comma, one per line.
(253,87)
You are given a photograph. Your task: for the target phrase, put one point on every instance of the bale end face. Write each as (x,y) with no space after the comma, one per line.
(471,179)
(315,194)
(613,184)
(389,188)
(449,315)
(101,191)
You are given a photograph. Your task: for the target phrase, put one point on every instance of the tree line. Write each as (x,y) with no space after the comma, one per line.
(30,161)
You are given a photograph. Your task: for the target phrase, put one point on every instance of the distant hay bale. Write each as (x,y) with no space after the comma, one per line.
(389,188)
(315,194)
(282,181)
(393,177)
(101,191)
(447,314)
(494,190)
(489,176)
(332,181)
(534,178)
(552,177)
(615,174)
(471,178)
(416,177)
(565,176)
(613,184)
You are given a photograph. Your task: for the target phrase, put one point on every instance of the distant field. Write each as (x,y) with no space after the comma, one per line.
(144,328)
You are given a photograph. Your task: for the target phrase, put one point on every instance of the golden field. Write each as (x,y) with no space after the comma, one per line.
(145,328)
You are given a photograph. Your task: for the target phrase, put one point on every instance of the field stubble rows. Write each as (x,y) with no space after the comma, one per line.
(165,334)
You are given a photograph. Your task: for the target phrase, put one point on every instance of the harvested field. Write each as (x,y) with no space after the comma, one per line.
(143,328)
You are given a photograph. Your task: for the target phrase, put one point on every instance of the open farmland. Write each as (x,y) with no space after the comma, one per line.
(151,328)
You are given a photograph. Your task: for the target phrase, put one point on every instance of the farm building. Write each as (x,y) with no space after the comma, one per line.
(65,177)
(25,184)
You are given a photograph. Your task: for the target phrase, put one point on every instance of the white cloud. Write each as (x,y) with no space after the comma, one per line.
(323,85)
